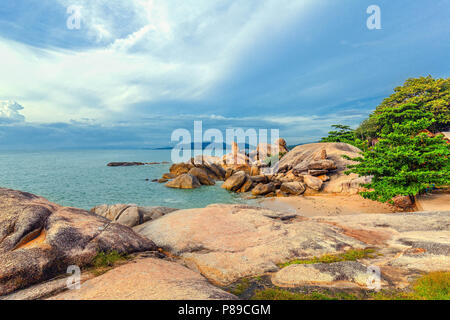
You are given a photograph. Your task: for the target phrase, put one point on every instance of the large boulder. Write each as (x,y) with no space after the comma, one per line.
(212,166)
(147,279)
(228,242)
(325,160)
(403,202)
(178,169)
(313,152)
(184,181)
(40,239)
(235,182)
(293,188)
(313,183)
(262,189)
(202,176)
(130,215)
(322,165)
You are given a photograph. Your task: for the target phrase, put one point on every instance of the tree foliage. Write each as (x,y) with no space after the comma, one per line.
(406,160)
(344,134)
(427,94)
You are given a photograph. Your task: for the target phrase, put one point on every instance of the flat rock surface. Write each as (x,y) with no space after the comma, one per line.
(40,239)
(147,279)
(344,273)
(227,242)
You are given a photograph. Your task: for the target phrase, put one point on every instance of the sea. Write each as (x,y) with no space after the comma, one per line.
(82,179)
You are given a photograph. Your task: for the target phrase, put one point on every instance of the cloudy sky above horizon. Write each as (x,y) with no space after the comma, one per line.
(136,70)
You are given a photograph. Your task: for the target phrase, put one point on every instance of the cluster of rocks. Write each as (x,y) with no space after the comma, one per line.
(193,174)
(311,168)
(186,254)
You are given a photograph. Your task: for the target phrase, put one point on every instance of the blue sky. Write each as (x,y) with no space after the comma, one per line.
(136,70)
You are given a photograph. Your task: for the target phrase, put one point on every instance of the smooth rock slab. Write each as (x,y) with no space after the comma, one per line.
(130,215)
(228,242)
(322,274)
(147,279)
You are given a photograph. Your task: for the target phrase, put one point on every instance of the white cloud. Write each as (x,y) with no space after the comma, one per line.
(150,51)
(9,112)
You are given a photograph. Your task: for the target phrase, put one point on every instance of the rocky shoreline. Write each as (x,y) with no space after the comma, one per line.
(206,253)
(203,253)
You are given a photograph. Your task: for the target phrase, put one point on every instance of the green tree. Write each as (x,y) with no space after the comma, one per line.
(406,160)
(344,134)
(427,94)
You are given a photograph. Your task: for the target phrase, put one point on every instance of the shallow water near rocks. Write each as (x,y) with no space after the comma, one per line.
(81,179)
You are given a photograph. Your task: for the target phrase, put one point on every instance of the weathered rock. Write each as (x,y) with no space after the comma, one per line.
(130,214)
(322,165)
(324,156)
(228,242)
(313,182)
(293,188)
(125,164)
(162,180)
(254,171)
(262,189)
(229,172)
(345,272)
(347,184)
(39,239)
(202,176)
(321,155)
(235,182)
(215,171)
(403,202)
(168,176)
(315,151)
(184,181)
(248,184)
(316,173)
(259,179)
(324,178)
(280,193)
(178,169)
(147,279)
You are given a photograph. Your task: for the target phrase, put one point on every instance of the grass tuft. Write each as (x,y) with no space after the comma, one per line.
(280,294)
(432,286)
(350,255)
(104,261)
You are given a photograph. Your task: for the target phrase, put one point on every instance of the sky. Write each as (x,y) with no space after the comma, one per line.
(136,70)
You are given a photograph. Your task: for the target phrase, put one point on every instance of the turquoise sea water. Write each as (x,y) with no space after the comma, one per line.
(81,179)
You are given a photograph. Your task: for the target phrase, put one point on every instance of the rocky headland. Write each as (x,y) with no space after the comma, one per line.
(206,253)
